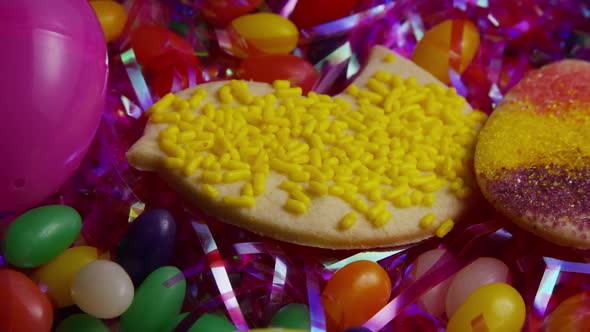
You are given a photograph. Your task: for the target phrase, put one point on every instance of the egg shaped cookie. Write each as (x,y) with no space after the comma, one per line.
(385,163)
(533,156)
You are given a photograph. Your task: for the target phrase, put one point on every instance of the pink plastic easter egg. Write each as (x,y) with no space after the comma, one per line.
(54,70)
(433,301)
(483,271)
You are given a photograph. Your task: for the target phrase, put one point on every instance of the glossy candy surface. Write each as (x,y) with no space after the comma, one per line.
(58,275)
(155,303)
(221,12)
(309,13)
(42,95)
(112,17)
(354,294)
(102,289)
(450,44)
(23,307)
(573,314)
(147,244)
(152,45)
(292,316)
(483,271)
(268,68)
(82,323)
(497,305)
(41,234)
(261,33)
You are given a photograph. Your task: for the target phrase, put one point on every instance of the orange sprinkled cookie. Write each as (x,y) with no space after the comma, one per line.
(385,163)
(533,156)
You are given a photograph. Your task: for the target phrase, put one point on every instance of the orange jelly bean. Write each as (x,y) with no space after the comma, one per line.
(451,44)
(261,33)
(112,17)
(573,314)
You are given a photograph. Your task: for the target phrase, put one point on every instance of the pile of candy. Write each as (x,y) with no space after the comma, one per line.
(98,262)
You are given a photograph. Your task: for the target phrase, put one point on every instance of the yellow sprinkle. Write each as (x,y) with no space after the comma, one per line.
(352,90)
(210,191)
(191,167)
(348,220)
(247,189)
(211,177)
(427,220)
(389,58)
(295,206)
(377,87)
(360,205)
(299,176)
(225,95)
(162,104)
(318,188)
(289,92)
(236,175)
(281,84)
(289,186)
(382,219)
(445,228)
(300,196)
(173,163)
(259,184)
(376,209)
(165,117)
(239,201)
(402,201)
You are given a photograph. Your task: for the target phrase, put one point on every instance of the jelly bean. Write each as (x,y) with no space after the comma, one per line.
(82,322)
(23,307)
(354,294)
(112,17)
(40,234)
(155,303)
(268,68)
(59,274)
(433,301)
(174,79)
(262,33)
(292,316)
(151,42)
(573,314)
(220,13)
(435,53)
(309,13)
(483,271)
(147,244)
(497,305)
(205,323)
(102,289)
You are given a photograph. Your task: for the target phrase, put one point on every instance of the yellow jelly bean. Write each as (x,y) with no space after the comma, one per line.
(59,274)
(497,305)
(434,51)
(264,33)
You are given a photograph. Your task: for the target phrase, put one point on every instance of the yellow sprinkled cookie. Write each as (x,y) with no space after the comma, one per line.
(385,163)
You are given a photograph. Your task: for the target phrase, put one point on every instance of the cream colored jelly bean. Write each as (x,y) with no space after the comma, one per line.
(400,144)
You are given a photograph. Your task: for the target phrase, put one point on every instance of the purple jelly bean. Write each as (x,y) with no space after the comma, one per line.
(147,244)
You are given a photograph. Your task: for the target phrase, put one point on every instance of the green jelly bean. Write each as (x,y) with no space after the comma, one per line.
(155,304)
(205,323)
(41,234)
(292,316)
(82,323)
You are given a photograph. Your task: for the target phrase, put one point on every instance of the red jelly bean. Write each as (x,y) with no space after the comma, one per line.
(151,42)
(23,307)
(309,13)
(268,68)
(173,72)
(221,12)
